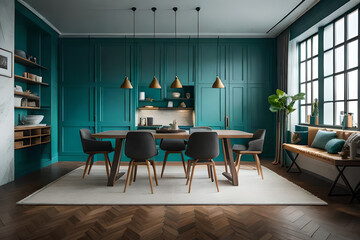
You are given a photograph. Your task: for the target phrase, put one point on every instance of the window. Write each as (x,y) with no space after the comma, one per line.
(341,69)
(337,73)
(308,75)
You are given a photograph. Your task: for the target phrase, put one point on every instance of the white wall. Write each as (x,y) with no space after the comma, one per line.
(7,28)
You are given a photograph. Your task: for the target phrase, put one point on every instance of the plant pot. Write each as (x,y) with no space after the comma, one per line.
(314,120)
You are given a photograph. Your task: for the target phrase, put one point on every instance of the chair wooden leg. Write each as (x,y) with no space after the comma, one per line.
(135,172)
(148,167)
(164,163)
(259,165)
(91,163)
(154,168)
(192,174)
(216,181)
(238,159)
(183,162)
(188,171)
(86,165)
(107,164)
(208,168)
(211,173)
(132,172)
(127,176)
(256,164)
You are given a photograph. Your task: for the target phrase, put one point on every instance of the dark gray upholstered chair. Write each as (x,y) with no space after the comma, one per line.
(91,146)
(254,147)
(200,129)
(139,147)
(172,146)
(202,147)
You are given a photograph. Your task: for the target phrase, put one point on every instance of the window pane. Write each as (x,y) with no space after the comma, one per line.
(352,54)
(339,31)
(328,114)
(302,72)
(339,87)
(352,24)
(303,91)
(328,63)
(339,108)
(353,108)
(315,45)
(302,117)
(315,68)
(315,89)
(308,70)
(308,48)
(339,59)
(328,37)
(302,51)
(308,93)
(352,78)
(328,89)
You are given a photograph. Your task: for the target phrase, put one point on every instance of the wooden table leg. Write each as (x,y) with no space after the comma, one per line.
(232,175)
(114,173)
(225,157)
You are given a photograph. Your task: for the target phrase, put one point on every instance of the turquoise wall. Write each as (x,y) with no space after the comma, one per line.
(35,37)
(92,70)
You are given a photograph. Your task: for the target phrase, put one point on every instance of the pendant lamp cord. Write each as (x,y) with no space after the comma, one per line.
(217,57)
(125,56)
(154,9)
(175,9)
(134,9)
(198,37)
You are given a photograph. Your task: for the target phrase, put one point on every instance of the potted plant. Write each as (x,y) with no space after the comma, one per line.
(283,105)
(314,118)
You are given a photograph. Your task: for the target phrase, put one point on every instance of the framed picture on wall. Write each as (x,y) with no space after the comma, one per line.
(5,63)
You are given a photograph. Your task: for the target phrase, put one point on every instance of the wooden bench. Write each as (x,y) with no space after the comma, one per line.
(322,155)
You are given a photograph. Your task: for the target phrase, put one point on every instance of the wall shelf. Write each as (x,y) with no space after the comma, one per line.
(179,99)
(29,81)
(31,136)
(27,107)
(25,62)
(28,96)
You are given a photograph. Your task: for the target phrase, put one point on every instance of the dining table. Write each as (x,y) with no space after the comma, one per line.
(224,135)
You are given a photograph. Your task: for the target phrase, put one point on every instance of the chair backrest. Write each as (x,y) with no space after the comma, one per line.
(257,141)
(200,129)
(85,136)
(203,145)
(140,145)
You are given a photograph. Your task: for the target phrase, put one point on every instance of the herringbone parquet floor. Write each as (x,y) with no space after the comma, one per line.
(338,220)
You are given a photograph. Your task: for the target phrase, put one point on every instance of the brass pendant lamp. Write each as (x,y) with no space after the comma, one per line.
(127,84)
(217,83)
(154,83)
(176,83)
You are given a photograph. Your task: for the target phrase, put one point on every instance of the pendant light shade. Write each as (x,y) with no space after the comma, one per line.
(154,83)
(176,83)
(217,83)
(126,84)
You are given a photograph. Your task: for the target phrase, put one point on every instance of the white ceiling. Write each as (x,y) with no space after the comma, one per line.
(227,18)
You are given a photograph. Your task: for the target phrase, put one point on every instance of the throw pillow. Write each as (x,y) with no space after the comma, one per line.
(321,139)
(299,137)
(334,145)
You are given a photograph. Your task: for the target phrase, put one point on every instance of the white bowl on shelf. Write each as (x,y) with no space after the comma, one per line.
(33,119)
(175,94)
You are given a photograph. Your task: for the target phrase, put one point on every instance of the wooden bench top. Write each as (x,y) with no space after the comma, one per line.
(320,154)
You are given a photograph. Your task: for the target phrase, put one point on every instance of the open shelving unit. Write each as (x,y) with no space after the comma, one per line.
(28,63)
(31,136)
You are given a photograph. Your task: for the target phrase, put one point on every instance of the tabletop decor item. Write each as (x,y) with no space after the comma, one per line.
(20,53)
(314,118)
(150,121)
(182,104)
(5,63)
(142,96)
(188,95)
(175,94)
(282,107)
(170,104)
(174,125)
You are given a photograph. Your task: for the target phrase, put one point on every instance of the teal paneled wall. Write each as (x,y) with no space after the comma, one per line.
(92,70)
(36,38)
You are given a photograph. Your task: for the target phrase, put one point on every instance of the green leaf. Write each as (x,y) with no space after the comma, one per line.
(274,109)
(299,96)
(280,93)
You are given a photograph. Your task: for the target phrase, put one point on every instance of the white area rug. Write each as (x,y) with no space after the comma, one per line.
(71,189)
